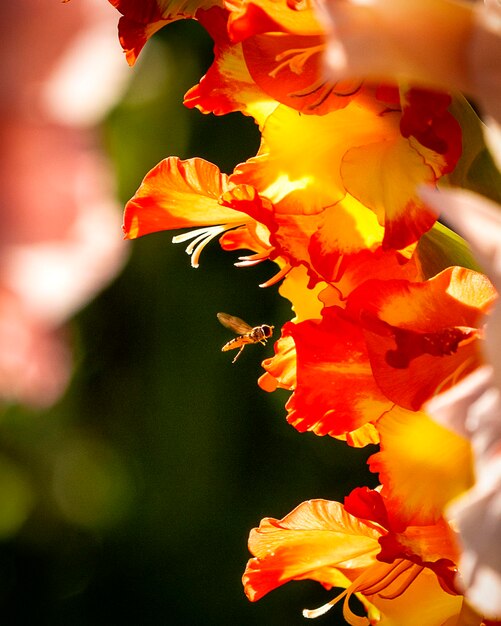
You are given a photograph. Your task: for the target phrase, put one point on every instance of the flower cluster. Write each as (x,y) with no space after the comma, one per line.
(389,308)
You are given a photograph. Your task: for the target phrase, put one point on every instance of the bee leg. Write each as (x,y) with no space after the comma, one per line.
(238,353)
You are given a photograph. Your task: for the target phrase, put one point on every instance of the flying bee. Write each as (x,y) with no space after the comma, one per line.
(246,334)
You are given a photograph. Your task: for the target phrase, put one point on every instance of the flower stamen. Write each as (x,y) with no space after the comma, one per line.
(295,59)
(387,578)
(201,237)
(372,582)
(252,259)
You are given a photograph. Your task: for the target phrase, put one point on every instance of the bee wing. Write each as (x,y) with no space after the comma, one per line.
(234,323)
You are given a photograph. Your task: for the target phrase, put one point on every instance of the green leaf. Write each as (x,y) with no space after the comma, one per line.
(441,247)
(476,169)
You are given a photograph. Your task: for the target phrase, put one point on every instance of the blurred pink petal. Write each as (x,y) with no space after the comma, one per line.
(473,408)
(35,363)
(434,43)
(60,241)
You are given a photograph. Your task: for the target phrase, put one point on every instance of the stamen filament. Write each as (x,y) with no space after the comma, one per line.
(200,238)
(198,250)
(388,577)
(252,259)
(372,582)
(190,234)
(405,584)
(322,610)
(196,242)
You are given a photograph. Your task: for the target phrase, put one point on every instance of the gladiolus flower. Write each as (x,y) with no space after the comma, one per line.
(352,547)
(388,311)
(59,215)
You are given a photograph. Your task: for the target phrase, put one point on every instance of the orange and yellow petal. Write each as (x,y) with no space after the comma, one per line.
(310,542)
(297,179)
(227,86)
(392,171)
(251,17)
(346,234)
(179,194)
(281,368)
(421,465)
(304,297)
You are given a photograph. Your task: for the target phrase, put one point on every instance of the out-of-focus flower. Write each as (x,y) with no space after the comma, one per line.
(58,245)
(473,408)
(438,43)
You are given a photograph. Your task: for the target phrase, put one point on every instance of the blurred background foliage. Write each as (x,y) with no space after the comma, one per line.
(130,501)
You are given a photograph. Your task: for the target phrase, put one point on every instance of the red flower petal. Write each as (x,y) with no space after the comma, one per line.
(421,336)
(290,69)
(425,117)
(142,18)
(336,392)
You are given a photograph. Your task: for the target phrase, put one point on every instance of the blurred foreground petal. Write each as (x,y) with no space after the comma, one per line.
(60,240)
(473,408)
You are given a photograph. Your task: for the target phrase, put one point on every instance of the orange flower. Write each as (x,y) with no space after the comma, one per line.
(331,197)
(352,547)
(265,60)
(177,194)
(396,344)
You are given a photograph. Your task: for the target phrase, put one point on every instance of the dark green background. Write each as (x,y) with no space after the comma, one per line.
(142,484)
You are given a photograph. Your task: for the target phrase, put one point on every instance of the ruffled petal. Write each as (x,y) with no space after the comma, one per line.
(179,194)
(143,18)
(251,17)
(392,170)
(281,368)
(227,86)
(310,542)
(336,392)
